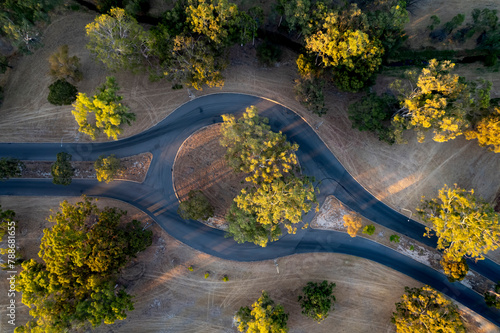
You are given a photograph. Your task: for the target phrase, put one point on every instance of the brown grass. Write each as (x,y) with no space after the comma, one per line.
(200,165)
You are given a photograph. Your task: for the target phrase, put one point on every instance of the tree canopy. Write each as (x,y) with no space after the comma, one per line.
(276,193)
(6,221)
(254,149)
(373,113)
(107,168)
(61,170)
(18,20)
(62,92)
(118,41)
(439,101)
(212,18)
(194,63)
(317,300)
(196,207)
(264,317)
(487,131)
(243,227)
(342,45)
(64,67)
(464,224)
(455,270)
(76,281)
(426,310)
(492,297)
(10,167)
(353,223)
(108,113)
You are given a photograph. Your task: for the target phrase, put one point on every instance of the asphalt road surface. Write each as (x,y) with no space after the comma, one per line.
(156,196)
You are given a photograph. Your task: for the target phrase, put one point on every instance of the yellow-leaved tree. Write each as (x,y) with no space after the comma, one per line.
(438,101)
(108,114)
(464,224)
(264,317)
(426,310)
(353,223)
(75,283)
(276,193)
(212,18)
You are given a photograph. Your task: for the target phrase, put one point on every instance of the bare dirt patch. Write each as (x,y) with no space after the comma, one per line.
(135,168)
(200,165)
(170,298)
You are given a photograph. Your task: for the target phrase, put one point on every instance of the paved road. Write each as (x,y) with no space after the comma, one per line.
(156,196)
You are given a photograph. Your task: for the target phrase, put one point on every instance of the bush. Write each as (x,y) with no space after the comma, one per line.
(62,92)
(491,59)
(369,229)
(225,278)
(62,171)
(372,113)
(434,22)
(492,298)
(107,168)
(454,270)
(190,268)
(268,53)
(309,92)
(454,23)
(207,274)
(196,207)
(394,238)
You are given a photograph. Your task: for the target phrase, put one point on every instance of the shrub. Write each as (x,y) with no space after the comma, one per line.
(207,274)
(190,268)
(394,238)
(107,168)
(492,298)
(62,92)
(491,59)
(454,23)
(434,22)
(369,229)
(454,270)
(309,92)
(225,278)
(268,53)
(196,207)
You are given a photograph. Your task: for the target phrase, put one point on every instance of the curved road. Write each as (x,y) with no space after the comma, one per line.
(156,196)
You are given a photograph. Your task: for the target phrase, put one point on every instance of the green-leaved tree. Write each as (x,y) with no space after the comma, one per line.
(317,300)
(196,207)
(118,41)
(61,170)
(76,281)
(10,167)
